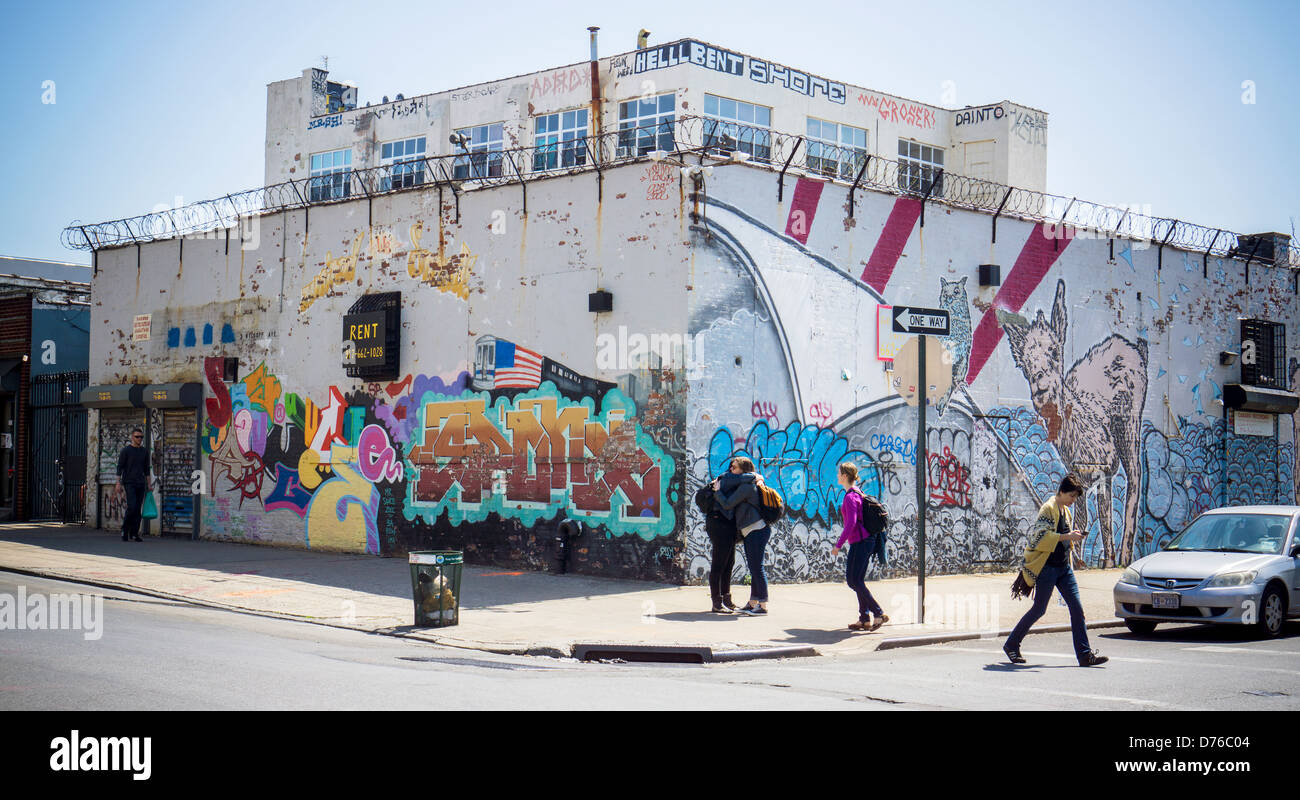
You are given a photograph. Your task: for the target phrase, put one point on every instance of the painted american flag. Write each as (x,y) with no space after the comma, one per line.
(517,367)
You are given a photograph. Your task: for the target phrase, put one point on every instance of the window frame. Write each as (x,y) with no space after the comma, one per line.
(399,170)
(481,161)
(636,137)
(560,147)
(755,139)
(915,172)
(333,182)
(835,163)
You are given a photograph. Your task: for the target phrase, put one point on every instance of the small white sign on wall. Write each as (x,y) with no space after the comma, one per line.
(140,327)
(1252,423)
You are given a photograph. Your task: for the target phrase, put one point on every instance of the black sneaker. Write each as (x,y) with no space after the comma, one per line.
(136,539)
(1092,659)
(756,611)
(124,537)
(1013,655)
(719,608)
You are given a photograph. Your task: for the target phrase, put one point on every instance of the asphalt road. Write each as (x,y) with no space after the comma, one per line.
(155,654)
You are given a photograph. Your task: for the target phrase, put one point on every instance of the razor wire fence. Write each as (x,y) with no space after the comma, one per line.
(689,137)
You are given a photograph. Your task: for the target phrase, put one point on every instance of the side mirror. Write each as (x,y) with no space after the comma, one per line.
(1295,551)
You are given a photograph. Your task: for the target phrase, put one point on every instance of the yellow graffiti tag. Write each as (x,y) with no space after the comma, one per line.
(450,275)
(335,272)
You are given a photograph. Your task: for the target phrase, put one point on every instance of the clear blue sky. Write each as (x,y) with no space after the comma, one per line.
(159,101)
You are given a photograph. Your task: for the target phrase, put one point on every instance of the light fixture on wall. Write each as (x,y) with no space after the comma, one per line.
(990,275)
(600,300)
(1227,358)
(459,140)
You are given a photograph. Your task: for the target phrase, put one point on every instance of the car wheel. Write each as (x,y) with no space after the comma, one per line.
(1142,627)
(1272,612)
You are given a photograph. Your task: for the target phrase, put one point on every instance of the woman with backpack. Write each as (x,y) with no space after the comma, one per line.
(722,534)
(739,494)
(861,545)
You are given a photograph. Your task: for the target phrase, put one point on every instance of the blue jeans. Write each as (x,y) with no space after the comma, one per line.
(1054,578)
(856,574)
(755,545)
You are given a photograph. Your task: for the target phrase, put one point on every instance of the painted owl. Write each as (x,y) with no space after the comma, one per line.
(953,299)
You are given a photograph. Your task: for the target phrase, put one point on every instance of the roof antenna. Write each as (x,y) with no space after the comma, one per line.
(325,63)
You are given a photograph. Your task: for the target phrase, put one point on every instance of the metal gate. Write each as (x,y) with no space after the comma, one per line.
(58,437)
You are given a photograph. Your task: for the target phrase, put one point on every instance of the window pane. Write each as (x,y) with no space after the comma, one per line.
(745,112)
(667,102)
(624,110)
(763,116)
(710,104)
(726,108)
(902,147)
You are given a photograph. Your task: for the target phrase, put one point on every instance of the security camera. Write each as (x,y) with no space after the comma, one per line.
(458,139)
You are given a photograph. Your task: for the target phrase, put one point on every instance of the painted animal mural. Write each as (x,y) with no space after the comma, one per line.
(1092,411)
(953,298)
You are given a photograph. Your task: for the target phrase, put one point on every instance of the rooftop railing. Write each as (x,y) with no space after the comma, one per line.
(692,137)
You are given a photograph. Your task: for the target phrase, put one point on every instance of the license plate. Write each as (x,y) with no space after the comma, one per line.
(1166,600)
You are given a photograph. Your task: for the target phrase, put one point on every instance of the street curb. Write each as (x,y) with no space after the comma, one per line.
(685,654)
(522,650)
(940,638)
(555,650)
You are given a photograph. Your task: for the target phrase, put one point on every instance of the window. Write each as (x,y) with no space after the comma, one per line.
(560,140)
(484,159)
(1263,353)
(835,150)
(646,124)
(918,165)
(748,124)
(331,175)
(401,160)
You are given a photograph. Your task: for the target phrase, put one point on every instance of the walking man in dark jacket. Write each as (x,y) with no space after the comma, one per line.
(133,476)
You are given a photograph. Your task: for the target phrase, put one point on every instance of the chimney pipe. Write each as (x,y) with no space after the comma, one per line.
(595,85)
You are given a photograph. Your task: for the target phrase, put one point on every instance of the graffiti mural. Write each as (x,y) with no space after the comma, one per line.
(535,455)
(373,472)
(1092,411)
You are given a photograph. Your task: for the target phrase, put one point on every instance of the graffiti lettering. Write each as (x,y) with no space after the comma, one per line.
(904,448)
(894,111)
(375,456)
(948,479)
(800,462)
(559,456)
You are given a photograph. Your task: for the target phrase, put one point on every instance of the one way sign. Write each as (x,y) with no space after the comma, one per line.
(930,321)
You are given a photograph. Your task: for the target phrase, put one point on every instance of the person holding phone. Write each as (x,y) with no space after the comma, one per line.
(1046,566)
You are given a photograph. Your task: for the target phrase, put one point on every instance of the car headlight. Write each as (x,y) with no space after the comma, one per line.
(1234,578)
(1131,577)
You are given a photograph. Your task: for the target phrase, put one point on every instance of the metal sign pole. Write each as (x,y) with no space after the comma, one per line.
(920,481)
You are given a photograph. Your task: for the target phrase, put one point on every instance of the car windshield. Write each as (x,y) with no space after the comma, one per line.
(1234,533)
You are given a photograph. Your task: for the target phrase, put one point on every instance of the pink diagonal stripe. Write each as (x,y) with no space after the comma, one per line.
(803,208)
(889,247)
(1036,258)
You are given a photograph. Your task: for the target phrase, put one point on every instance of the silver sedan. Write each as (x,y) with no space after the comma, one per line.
(1236,566)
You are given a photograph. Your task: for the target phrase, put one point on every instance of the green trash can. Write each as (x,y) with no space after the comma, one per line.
(435,587)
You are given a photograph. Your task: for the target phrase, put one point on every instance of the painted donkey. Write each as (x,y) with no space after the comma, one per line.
(1093,412)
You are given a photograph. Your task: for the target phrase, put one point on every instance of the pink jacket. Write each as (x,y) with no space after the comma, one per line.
(851,513)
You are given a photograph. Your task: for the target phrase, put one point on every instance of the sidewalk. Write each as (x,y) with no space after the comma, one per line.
(508,611)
